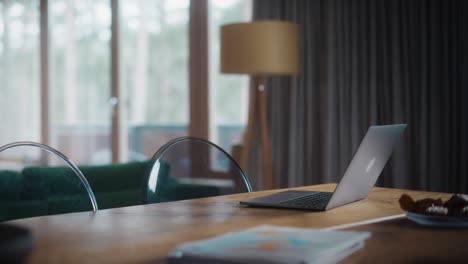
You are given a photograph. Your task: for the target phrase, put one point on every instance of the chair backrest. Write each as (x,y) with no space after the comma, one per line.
(188,168)
(30,187)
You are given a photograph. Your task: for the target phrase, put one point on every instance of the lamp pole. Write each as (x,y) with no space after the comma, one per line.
(258,112)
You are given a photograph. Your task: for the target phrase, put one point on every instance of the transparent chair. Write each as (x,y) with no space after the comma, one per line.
(36,180)
(188,168)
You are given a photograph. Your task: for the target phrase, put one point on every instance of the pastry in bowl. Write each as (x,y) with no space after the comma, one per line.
(457,205)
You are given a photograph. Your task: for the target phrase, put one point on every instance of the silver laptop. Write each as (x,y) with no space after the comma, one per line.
(359,178)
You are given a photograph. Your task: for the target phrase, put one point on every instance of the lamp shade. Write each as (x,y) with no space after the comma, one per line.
(260,48)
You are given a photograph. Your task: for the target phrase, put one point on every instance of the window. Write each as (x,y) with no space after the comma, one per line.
(229,93)
(19,70)
(154,90)
(19,73)
(154,72)
(79,56)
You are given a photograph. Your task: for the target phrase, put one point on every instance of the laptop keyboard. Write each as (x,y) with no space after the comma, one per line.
(314,201)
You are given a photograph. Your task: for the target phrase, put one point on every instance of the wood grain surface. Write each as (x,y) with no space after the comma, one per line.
(146,233)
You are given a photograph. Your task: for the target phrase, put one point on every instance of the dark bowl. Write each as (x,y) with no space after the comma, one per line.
(15,243)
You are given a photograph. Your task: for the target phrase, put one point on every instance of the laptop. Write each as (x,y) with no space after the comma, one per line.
(359,178)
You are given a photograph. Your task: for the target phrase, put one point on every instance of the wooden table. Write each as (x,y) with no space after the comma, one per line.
(142,234)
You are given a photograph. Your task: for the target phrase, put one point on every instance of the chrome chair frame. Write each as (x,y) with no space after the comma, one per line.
(175,141)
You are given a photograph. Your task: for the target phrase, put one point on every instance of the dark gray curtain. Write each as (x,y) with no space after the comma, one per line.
(373,62)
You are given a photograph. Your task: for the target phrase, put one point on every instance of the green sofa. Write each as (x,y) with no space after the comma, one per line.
(37,191)
(54,190)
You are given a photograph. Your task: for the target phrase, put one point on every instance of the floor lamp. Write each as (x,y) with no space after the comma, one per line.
(260,49)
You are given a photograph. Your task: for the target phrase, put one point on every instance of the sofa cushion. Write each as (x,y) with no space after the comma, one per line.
(20,209)
(115,177)
(175,191)
(42,182)
(11,183)
(62,204)
(119,199)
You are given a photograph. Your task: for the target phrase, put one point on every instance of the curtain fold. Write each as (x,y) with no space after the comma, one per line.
(368,62)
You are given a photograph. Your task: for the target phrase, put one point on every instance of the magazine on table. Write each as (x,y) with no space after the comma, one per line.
(271,244)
